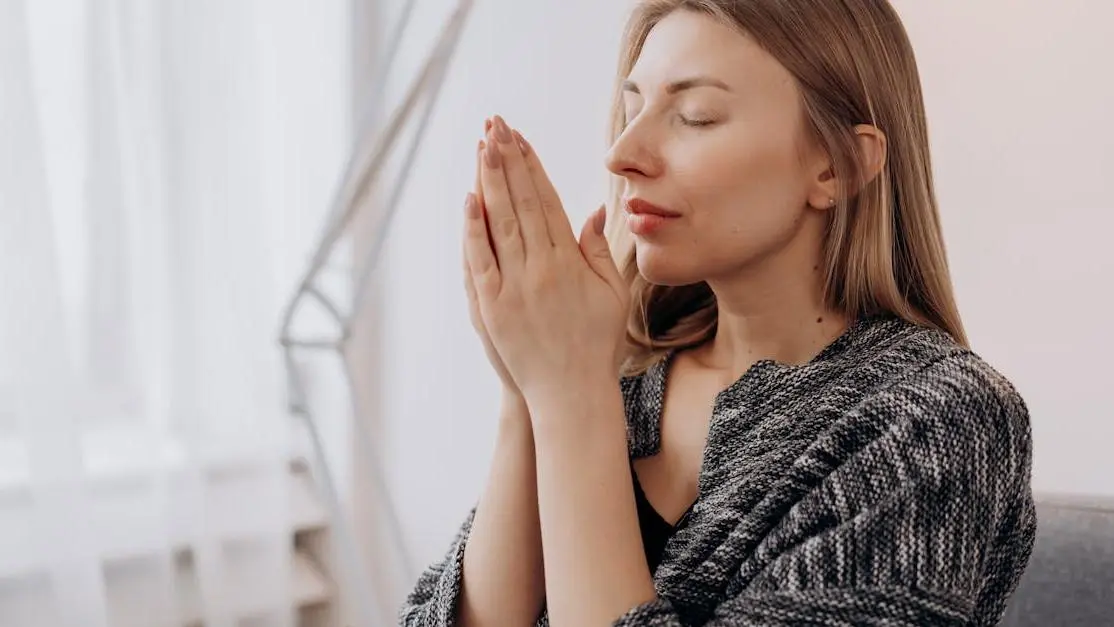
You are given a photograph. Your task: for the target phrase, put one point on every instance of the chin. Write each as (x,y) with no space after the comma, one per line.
(662,265)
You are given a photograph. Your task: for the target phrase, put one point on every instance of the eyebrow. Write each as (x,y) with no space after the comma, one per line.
(681,85)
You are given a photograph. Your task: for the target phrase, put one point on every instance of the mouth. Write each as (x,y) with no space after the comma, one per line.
(637,206)
(645,218)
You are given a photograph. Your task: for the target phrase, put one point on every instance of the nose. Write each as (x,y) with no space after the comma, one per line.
(634,155)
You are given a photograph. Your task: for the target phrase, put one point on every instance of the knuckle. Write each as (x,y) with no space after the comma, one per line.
(507,228)
(485,281)
(529,204)
(475,228)
(511,297)
(566,256)
(551,205)
(545,277)
(498,320)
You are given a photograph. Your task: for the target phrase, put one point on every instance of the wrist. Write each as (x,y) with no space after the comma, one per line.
(576,381)
(576,406)
(584,384)
(513,410)
(510,400)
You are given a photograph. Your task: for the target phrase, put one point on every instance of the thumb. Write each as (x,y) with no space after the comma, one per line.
(596,251)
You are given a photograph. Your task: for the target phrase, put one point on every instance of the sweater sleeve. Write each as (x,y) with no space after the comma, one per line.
(930,518)
(434,599)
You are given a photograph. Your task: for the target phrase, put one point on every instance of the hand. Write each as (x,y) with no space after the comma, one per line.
(510,390)
(554,307)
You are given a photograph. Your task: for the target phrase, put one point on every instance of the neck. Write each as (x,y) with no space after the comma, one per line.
(770,313)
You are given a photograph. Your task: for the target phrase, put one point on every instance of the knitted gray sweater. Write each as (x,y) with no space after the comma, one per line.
(886,482)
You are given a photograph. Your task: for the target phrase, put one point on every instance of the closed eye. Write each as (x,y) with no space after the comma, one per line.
(696,122)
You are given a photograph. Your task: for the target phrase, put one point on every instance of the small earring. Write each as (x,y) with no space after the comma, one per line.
(831,202)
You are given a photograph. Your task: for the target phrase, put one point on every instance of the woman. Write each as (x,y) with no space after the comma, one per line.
(767,415)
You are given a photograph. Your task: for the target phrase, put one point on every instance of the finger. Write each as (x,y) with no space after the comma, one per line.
(469,287)
(596,251)
(479,190)
(469,284)
(559,228)
(499,210)
(524,196)
(470,292)
(484,272)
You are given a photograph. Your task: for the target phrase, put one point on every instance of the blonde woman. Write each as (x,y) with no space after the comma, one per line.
(766,413)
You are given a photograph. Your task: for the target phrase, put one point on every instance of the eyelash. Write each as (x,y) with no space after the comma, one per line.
(696,123)
(685,121)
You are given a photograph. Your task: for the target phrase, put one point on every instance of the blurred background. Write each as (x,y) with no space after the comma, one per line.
(166,168)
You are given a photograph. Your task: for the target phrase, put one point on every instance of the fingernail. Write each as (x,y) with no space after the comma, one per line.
(487,124)
(481,146)
(523,145)
(502,131)
(492,157)
(601,219)
(471,207)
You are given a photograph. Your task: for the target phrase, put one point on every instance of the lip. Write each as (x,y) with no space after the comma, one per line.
(638,206)
(645,218)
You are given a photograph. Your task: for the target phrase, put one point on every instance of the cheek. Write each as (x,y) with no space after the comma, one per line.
(746,193)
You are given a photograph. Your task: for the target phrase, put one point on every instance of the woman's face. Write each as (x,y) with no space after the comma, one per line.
(715,140)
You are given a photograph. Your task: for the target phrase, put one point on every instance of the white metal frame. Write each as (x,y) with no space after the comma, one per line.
(369,156)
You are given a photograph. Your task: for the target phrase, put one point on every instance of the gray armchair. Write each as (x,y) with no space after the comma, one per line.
(1070,579)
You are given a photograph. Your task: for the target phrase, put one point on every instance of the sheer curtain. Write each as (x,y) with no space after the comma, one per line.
(163,168)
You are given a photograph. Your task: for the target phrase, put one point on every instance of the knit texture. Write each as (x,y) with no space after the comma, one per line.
(886,482)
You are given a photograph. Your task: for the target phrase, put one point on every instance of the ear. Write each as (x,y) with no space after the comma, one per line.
(872,152)
(872,149)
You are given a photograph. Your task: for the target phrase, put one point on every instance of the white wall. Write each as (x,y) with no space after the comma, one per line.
(1023,155)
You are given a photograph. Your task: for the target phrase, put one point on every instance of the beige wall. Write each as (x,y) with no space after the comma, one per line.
(1019,97)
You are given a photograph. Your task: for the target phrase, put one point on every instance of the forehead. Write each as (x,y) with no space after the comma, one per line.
(687,43)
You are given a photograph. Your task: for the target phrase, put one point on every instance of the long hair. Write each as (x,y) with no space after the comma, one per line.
(884,251)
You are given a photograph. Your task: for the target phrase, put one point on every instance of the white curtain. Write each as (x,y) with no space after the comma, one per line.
(163,169)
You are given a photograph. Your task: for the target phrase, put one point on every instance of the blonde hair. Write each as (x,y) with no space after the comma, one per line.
(884,254)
